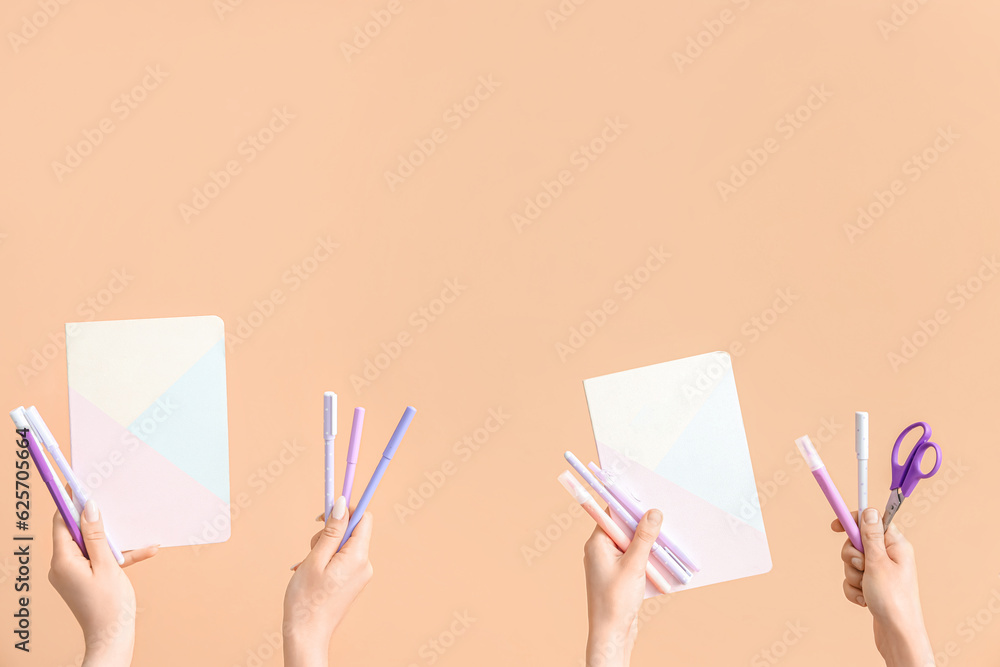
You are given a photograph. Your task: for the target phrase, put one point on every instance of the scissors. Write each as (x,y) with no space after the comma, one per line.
(906,475)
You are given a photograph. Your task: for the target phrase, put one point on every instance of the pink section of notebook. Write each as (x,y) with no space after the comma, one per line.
(113,463)
(724,546)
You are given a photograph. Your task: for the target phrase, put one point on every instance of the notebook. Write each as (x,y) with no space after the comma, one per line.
(673,435)
(148,427)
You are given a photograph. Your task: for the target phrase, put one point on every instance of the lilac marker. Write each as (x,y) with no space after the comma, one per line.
(352,453)
(637,511)
(830,491)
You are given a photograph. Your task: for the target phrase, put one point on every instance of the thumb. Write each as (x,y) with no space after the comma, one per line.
(897,546)
(94,537)
(645,534)
(332,533)
(872,535)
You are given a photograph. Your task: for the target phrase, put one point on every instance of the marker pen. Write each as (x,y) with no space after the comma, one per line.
(830,491)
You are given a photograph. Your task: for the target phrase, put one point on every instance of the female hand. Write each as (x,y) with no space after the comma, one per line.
(616,585)
(97,590)
(884,579)
(323,587)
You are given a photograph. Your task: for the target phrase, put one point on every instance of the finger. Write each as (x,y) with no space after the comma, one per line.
(63,545)
(314,540)
(896,543)
(836,525)
(94,537)
(872,537)
(332,533)
(600,548)
(138,555)
(645,534)
(852,575)
(849,554)
(359,541)
(854,595)
(319,517)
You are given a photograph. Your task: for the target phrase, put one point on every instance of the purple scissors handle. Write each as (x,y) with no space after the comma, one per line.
(906,475)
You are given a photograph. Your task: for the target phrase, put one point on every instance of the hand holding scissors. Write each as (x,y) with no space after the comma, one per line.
(906,475)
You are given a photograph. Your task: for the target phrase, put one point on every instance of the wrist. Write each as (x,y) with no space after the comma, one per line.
(108,653)
(907,645)
(609,646)
(302,650)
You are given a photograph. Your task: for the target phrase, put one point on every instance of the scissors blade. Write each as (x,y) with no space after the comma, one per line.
(895,500)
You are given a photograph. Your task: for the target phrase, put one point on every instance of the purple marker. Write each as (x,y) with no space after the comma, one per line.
(69,514)
(390,450)
(830,491)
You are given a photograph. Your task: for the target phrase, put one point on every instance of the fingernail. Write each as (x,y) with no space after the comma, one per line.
(339,508)
(871,516)
(90,511)
(655,517)
(861,601)
(857,563)
(295,566)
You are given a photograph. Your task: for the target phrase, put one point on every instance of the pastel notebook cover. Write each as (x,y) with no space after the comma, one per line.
(672,434)
(148,427)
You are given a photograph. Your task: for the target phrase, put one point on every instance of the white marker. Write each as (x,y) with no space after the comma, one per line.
(329,433)
(861,449)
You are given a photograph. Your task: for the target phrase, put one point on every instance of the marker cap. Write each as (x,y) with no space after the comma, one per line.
(397,435)
(329,414)
(574,487)
(17,414)
(861,434)
(809,452)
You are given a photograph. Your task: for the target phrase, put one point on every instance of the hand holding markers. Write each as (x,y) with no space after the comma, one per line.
(337,568)
(884,579)
(617,564)
(96,590)
(323,587)
(879,568)
(85,563)
(616,585)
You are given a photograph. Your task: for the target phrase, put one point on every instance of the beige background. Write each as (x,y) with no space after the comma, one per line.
(495,346)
